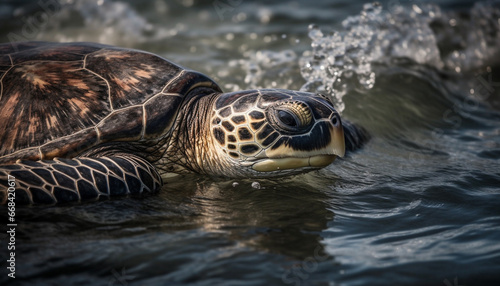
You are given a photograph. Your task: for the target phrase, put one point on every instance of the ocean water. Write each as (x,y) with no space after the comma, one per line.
(418,205)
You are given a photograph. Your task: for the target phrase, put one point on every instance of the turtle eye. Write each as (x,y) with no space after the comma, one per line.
(287,118)
(291,117)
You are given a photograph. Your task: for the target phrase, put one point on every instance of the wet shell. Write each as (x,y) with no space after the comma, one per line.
(61,99)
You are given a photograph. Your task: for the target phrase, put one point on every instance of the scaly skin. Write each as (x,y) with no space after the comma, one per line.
(194,148)
(191,149)
(79,179)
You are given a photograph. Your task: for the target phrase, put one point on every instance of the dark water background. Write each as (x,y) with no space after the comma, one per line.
(418,205)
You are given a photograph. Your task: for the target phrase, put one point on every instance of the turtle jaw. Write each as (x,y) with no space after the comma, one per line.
(314,162)
(285,159)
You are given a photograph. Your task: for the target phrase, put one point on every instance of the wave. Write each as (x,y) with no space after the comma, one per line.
(451,42)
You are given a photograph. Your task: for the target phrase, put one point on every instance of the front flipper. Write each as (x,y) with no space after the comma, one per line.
(78,179)
(355,136)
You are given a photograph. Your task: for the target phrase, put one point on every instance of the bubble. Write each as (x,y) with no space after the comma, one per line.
(256,185)
(314,32)
(264,15)
(417,9)
(235,184)
(367,80)
(240,17)
(229,36)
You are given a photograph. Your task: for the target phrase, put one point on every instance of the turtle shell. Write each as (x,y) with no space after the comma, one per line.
(62,99)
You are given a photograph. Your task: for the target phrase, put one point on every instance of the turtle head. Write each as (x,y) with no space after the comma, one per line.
(272,132)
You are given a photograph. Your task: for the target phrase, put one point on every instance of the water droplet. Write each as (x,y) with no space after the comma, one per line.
(229,36)
(235,184)
(256,185)
(314,32)
(264,16)
(312,27)
(416,9)
(240,17)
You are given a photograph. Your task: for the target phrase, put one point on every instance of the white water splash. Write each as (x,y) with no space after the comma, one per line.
(345,57)
(343,60)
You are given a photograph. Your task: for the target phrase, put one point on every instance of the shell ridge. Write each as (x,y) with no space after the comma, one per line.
(112,113)
(16,152)
(1,79)
(169,83)
(144,122)
(98,134)
(107,84)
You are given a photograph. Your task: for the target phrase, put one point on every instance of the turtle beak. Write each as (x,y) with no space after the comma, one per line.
(322,158)
(334,149)
(337,143)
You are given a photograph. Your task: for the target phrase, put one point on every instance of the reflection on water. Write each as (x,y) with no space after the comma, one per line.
(189,226)
(418,205)
(252,217)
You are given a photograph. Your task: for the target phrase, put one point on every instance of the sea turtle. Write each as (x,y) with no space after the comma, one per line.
(83,121)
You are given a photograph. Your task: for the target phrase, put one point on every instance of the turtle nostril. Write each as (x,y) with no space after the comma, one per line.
(287,118)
